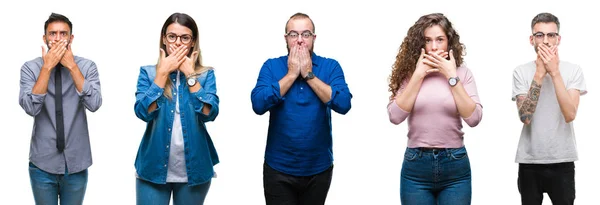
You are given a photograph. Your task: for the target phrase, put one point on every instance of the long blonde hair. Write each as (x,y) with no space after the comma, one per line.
(187,21)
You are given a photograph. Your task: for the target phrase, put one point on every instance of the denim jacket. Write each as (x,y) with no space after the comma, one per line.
(152,158)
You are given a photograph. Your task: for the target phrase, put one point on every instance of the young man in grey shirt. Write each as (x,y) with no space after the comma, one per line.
(547,92)
(56,89)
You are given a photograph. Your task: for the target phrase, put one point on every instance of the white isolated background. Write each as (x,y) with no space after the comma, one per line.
(238,36)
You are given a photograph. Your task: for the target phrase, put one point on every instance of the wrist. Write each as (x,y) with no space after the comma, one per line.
(73,68)
(188,72)
(305,73)
(161,73)
(554,74)
(451,74)
(539,75)
(291,76)
(293,71)
(46,68)
(418,76)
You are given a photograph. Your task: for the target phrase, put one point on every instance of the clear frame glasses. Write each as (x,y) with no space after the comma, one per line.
(541,35)
(294,34)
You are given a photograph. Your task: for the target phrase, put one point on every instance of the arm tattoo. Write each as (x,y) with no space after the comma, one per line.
(527,104)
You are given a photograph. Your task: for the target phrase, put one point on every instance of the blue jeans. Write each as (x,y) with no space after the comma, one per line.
(48,188)
(436,177)
(148,193)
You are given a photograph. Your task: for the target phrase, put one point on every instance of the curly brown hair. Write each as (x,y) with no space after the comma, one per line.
(410,49)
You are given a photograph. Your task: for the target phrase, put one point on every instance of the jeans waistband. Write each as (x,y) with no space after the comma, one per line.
(554,165)
(440,149)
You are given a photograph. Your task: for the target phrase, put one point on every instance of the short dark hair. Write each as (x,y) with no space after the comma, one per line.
(300,16)
(545,18)
(54,17)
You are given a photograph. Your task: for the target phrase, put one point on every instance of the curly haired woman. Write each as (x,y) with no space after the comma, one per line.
(432,87)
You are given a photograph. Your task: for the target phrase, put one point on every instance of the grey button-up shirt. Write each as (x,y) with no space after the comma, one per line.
(43,153)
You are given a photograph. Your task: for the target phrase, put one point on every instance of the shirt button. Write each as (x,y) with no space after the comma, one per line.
(301,88)
(174,93)
(169,129)
(167,146)
(171,110)
(165,165)
(200,98)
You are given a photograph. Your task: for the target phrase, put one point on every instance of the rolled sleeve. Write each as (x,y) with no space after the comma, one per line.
(91,93)
(147,92)
(37,98)
(86,89)
(31,103)
(206,95)
(266,93)
(341,97)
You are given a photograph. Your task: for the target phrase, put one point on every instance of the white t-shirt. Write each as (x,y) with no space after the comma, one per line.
(548,138)
(176,171)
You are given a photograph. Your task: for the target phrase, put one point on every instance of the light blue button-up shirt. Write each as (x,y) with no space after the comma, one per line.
(43,153)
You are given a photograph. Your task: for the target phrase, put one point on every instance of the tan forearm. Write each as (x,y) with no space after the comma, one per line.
(322,90)
(527,104)
(285,84)
(78,78)
(567,106)
(41,85)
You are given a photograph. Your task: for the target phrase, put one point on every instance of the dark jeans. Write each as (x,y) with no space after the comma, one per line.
(435,177)
(558,180)
(284,189)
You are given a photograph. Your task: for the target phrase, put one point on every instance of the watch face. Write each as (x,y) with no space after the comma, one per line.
(452,81)
(310,75)
(191,81)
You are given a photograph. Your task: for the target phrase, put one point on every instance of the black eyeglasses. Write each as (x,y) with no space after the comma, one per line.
(541,35)
(185,38)
(294,34)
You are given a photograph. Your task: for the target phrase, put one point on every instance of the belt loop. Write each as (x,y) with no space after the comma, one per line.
(420,152)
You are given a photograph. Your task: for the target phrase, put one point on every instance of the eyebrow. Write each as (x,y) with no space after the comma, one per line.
(427,37)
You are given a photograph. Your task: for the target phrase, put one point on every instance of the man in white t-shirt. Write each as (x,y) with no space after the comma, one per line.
(547,92)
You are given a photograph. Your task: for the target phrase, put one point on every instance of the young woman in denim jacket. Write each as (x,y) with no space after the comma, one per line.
(176,97)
